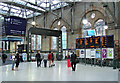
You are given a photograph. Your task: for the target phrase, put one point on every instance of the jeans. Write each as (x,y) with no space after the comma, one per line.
(45,63)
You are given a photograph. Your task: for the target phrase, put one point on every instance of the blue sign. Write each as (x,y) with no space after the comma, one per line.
(15,26)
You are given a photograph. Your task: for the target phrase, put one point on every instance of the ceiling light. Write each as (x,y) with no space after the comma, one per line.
(58,22)
(105,27)
(33,23)
(85,21)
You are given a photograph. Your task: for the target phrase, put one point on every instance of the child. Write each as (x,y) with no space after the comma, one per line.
(13,62)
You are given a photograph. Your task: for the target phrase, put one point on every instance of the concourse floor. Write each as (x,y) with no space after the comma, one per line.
(29,72)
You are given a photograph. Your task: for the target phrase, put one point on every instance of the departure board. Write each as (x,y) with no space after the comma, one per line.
(110,41)
(87,42)
(104,42)
(97,42)
(82,43)
(77,43)
(92,42)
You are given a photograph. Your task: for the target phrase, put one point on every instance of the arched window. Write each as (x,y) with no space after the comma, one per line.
(99,27)
(64,37)
(86,27)
(38,42)
(54,42)
(33,42)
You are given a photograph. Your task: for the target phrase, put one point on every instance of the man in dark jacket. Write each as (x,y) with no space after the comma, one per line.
(4,57)
(73,61)
(38,57)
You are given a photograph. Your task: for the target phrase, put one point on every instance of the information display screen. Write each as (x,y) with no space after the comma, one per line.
(97,42)
(82,43)
(77,43)
(110,41)
(87,42)
(92,42)
(104,42)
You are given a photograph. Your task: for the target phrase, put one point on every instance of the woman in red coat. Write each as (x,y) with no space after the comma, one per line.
(50,59)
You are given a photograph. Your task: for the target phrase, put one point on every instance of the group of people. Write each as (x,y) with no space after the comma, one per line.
(46,57)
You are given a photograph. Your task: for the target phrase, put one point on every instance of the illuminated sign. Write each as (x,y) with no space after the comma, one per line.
(92,42)
(104,42)
(97,42)
(82,43)
(110,41)
(77,43)
(87,42)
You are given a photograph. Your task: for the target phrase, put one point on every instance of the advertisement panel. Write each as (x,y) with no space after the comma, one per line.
(88,53)
(93,53)
(110,53)
(104,52)
(82,53)
(98,53)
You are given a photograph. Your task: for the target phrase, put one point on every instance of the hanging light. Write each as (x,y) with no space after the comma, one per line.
(85,21)
(58,22)
(33,23)
(105,26)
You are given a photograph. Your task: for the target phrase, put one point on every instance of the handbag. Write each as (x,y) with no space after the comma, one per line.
(77,60)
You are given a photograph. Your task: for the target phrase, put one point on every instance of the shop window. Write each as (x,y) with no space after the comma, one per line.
(33,42)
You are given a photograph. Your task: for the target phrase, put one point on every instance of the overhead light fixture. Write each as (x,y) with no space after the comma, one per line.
(106,27)
(33,23)
(85,21)
(58,22)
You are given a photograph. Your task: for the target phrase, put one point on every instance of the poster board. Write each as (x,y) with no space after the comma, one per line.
(93,53)
(110,53)
(88,53)
(104,53)
(98,52)
(82,53)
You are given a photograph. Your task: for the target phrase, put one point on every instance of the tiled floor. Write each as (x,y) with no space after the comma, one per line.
(29,72)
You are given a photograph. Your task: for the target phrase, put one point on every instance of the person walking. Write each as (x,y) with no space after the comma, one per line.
(17,60)
(68,60)
(50,59)
(53,64)
(45,59)
(73,61)
(4,57)
(38,57)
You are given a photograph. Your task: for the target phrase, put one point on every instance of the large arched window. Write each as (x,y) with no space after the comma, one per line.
(64,37)
(33,42)
(54,42)
(99,26)
(38,42)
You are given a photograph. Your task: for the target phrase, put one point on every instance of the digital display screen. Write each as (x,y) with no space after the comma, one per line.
(97,42)
(104,42)
(92,42)
(110,41)
(87,42)
(91,32)
(82,43)
(77,43)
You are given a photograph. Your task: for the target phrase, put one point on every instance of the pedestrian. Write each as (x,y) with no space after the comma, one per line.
(17,60)
(4,57)
(53,64)
(68,60)
(38,57)
(13,62)
(45,59)
(50,59)
(73,61)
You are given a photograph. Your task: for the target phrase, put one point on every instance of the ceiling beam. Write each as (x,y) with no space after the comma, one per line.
(23,6)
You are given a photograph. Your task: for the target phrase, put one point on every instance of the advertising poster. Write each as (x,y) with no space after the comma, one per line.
(98,52)
(93,53)
(78,53)
(82,53)
(88,53)
(24,55)
(110,53)
(104,53)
